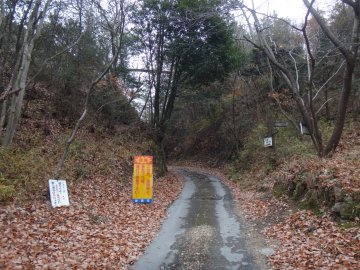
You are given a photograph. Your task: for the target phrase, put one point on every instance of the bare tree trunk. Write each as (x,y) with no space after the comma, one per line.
(291,81)
(61,162)
(327,107)
(307,108)
(3,116)
(17,100)
(342,107)
(2,12)
(19,76)
(159,69)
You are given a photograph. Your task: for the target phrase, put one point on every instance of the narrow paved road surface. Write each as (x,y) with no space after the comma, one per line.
(201,232)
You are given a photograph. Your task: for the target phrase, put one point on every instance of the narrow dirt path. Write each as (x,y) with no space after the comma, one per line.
(201,232)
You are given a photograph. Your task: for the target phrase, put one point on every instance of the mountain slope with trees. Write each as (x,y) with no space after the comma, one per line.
(86,85)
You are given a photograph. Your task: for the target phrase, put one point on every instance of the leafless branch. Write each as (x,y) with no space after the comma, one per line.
(327,55)
(322,106)
(307,43)
(292,121)
(272,17)
(328,80)
(61,162)
(327,31)
(7,93)
(53,57)
(296,68)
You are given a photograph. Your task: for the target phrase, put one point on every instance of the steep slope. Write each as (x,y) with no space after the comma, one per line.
(101,228)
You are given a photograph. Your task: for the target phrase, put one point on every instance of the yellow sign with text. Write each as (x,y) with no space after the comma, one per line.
(143,179)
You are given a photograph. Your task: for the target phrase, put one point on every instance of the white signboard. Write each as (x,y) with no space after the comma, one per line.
(304,129)
(58,193)
(268,142)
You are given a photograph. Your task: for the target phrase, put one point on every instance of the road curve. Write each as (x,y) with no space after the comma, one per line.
(201,231)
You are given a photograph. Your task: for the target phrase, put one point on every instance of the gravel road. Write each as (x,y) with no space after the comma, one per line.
(201,231)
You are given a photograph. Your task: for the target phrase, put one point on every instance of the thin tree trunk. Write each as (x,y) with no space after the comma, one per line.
(62,160)
(342,108)
(327,107)
(17,100)
(18,80)
(3,116)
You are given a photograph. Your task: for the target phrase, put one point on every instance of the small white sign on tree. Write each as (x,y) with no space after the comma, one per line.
(268,142)
(304,130)
(58,193)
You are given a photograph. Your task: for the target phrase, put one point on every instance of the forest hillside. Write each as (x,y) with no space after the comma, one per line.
(270,105)
(98,171)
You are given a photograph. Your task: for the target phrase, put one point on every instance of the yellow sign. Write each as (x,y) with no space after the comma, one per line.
(143,179)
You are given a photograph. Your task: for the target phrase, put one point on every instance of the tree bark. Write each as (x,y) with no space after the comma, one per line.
(19,76)
(307,109)
(350,56)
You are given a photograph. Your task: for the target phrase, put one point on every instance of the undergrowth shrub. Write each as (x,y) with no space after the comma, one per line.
(23,173)
(7,189)
(110,105)
(30,162)
(254,157)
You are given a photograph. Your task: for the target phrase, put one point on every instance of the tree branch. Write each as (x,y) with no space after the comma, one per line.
(292,121)
(7,93)
(322,106)
(53,57)
(327,31)
(61,162)
(329,79)
(296,68)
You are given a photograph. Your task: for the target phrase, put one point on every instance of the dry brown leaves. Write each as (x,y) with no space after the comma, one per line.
(307,241)
(311,242)
(101,229)
(342,169)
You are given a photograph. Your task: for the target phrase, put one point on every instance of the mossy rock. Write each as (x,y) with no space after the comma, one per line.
(347,210)
(339,194)
(302,176)
(356,196)
(291,188)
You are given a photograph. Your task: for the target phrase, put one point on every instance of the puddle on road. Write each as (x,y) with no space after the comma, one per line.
(229,228)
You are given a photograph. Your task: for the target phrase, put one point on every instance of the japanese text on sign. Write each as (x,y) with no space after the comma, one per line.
(143,179)
(58,193)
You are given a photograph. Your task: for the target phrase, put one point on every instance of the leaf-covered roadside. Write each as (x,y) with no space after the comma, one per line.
(311,242)
(101,229)
(306,241)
